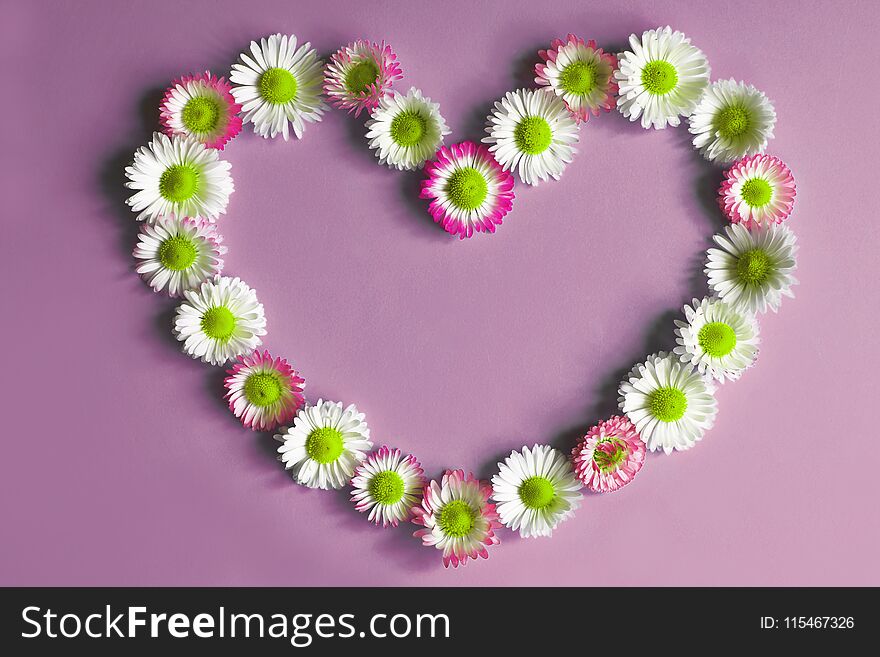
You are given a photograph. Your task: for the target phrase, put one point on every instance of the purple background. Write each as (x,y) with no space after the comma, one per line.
(121,464)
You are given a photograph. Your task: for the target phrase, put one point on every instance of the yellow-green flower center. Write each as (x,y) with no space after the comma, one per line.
(536,492)
(218,323)
(263,388)
(754,267)
(756,192)
(609,452)
(277,86)
(179,183)
(456,518)
(361,75)
(386,487)
(733,121)
(659,77)
(533,135)
(717,339)
(467,188)
(177,253)
(201,114)
(667,404)
(408,128)
(578,78)
(324,445)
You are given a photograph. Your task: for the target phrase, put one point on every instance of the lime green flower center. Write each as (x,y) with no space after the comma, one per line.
(733,121)
(717,339)
(578,78)
(659,77)
(218,323)
(201,114)
(408,128)
(324,445)
(754,267)
(533,135)
(361,76)
(756,192)
(536,492)
(263,388)
(456,518)
(386,487)
(177,253)
(467,188)
(667,404)
(609,452)
(277,86)
(179,182)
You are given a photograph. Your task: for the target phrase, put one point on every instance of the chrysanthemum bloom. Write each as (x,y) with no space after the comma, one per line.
(263,392)
(405,130)
(387,484)
(325,444)
(670,403)
(661,78)
(202,107)
(360,74)
(732,120)
(469,190)
(757,190)
(609,456)
(457,518)
(535,490)
(220,320)
(579,73)
(716,339)
(178,176)
(279,86)
(532,131)
(178,254)
(753,269)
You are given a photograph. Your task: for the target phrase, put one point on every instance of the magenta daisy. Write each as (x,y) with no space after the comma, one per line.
(581,74)
(469,191)
(264,392)
(387,484)
(609,456)
(359,75)
(758,189)
(201,106)
(457,518)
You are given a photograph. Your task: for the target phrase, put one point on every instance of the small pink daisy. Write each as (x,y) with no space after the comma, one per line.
(387,484)
(609,456)
(262,392)
(202,107)
(469,190)
(359,75)
(581,74)
(758,189)
(457,518)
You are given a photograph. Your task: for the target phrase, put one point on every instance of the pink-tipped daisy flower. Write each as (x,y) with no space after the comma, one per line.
(359,75)
(457,518)
(581,74)
(469,190)
(609,456)
(387,484)
(201,106)
(264,392)
(758,189)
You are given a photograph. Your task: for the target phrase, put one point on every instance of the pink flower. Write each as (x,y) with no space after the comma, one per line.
(262,392)
(457,518)
(202,107)
(469,190)
(359,75)
(758,189)
(609,456)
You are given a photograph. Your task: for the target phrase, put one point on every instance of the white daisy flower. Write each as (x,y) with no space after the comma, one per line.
(220,320)
(279,85)
(387,485)
(178,176)
(660,78)
(178,253)
(406,130)
(670,403)
(753,270)
(535,489)
(325,444)
(732,120)
(532,132)
(716,339)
